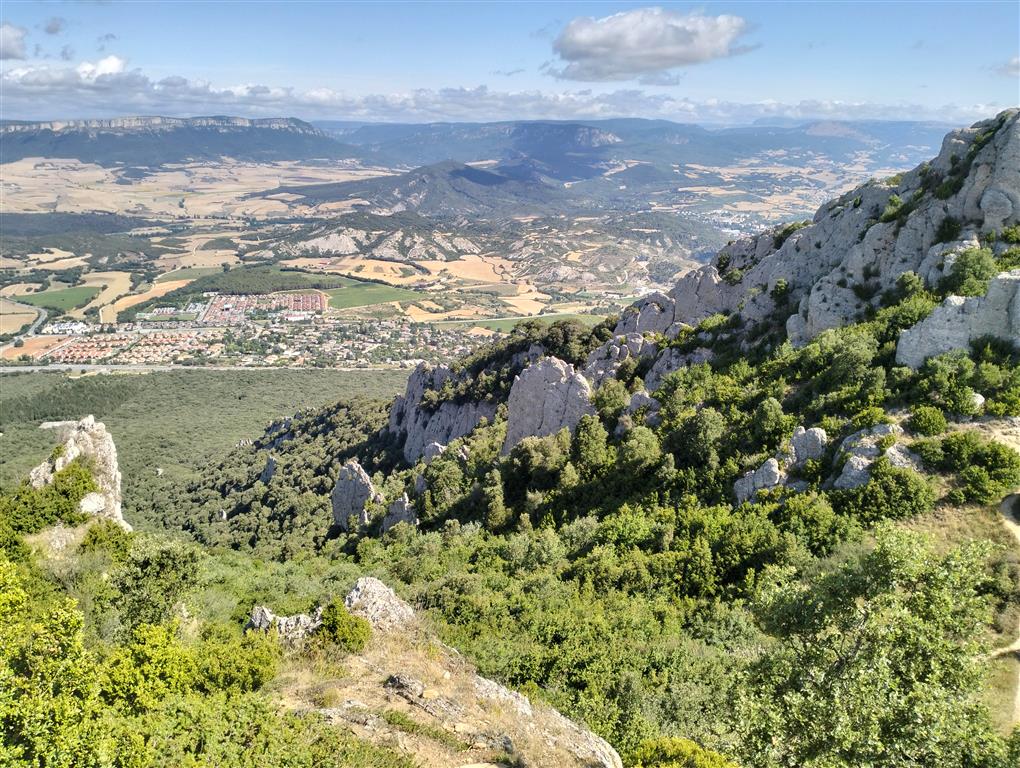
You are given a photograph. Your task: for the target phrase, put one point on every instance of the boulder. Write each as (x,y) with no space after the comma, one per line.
(89,441)
(855,473)
(432,450)
(351,496)
(400,511)
(651,314)
(768,475)
(808,444)
(958,321)
(546,397)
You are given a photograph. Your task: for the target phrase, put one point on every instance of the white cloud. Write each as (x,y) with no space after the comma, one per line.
(107,87)
(643,43)
(1011,68)
(12,41)
(110,65)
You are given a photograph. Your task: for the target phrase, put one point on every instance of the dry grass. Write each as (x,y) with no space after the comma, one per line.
(115,284)
(13,317)
(109,314)
(35,347)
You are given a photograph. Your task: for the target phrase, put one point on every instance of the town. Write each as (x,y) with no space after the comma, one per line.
(259,330)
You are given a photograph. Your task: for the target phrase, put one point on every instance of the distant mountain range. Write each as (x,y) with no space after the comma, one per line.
(562,151)
(156,141)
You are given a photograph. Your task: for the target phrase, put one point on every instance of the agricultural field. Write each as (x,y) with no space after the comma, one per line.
(62,299)
(355,293)
(13,317)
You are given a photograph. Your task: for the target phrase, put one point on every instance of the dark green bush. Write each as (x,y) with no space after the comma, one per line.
(341,627)
(927,420)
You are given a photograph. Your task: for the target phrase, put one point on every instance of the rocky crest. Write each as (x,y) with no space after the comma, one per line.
(405,668)
(87,440)
(857,246)
(546,397)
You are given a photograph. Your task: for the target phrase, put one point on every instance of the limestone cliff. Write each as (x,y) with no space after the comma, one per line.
(89,441)
(546,397)
(419,425)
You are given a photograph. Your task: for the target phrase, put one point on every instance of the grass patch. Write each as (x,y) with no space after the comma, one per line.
(64,299)
(356,293)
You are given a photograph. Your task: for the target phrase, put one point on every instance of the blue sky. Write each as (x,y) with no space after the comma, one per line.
(710,62)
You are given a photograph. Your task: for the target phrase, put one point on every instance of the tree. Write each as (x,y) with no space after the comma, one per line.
(590,447)
(875,664)
(345,630)
(154,579)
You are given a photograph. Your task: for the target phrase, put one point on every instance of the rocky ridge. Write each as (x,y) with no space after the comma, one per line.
(857,246)
(467,719)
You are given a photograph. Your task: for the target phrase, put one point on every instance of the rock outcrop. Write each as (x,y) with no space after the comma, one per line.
(861,449)
(292,630)
(89,441)
(605,361)
(351,496)
(808,444)
(671,360)
(468,719)
(958,321)
(546,397)
(805,445)
(837,265)
(379,605)
(419,426)
(399,511)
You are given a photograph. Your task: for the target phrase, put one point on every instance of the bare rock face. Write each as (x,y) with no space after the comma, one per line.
(268,470)
(352,494)
(845,246)
(546,397)
(958,321)
(400,511)
(421,426)
(89,441)
(292,630)
(379,605)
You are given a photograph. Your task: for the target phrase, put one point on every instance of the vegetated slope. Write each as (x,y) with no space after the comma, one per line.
(155,141)
(700,531)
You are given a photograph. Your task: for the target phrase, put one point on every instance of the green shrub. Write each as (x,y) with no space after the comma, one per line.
(948,230)
(676,753)
(927,420)
(341,627)
(1011,234)
(892,209)
(892,493)
(970,274)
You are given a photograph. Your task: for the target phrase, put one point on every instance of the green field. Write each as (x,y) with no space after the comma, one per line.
(177,420)
(356,293)
(63,299)
(188,273)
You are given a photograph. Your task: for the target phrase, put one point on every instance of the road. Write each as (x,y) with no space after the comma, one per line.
(40,318)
